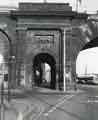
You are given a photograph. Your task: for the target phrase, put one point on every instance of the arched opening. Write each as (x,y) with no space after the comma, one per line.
(44,69)
(4,58)
(87,62)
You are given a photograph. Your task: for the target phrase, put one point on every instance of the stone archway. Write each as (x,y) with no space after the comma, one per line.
(40,62)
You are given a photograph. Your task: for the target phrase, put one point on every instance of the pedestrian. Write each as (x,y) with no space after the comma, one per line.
(20,116)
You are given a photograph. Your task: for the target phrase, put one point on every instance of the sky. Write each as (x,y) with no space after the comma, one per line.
(86,5)
(87,61)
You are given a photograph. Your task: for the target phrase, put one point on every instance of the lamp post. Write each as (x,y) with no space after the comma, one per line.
(64,59)
(2,89)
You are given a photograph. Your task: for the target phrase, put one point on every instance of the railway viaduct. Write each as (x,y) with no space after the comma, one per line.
(43,33)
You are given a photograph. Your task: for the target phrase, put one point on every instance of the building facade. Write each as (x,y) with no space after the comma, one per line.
(41,34)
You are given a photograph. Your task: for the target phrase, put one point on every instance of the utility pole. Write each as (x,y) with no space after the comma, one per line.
(2,95)
(45,1)
(77,5)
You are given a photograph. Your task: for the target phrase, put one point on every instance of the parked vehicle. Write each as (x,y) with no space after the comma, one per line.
(90,79)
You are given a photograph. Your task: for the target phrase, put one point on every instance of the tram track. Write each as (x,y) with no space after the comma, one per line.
(48,107)
(43,106)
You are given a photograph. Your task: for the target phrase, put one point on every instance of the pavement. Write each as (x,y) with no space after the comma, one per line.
(21,106)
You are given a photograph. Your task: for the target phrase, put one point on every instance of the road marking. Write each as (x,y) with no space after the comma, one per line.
(40,113)
(90,101)
(96,96)
(58,105)
(42,110)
